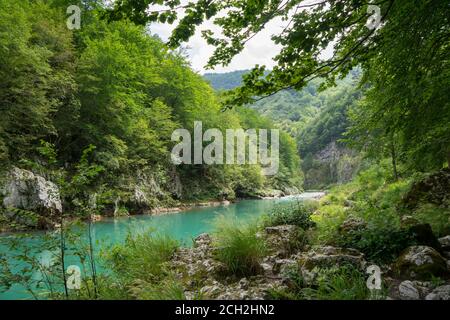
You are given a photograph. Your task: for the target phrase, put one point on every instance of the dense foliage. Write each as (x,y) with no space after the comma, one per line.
(114,87)
(406,111)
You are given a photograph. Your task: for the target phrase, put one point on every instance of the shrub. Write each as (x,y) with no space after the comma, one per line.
(238,246)
(298,214)
(437,217)
(379,244)
(328,219)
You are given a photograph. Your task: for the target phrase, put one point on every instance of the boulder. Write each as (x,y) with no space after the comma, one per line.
(328,256)
(28,191)
(408,291)
(249,289)
(432,189)
(445,243)
(420,262)
(321,257)
(283,240)
(423,235)
(440,293)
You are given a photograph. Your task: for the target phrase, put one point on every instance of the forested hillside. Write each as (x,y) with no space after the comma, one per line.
(88,120)
(93,110)
(316,119)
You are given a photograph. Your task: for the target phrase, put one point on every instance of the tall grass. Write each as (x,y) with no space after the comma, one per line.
(238,246)
(142,257)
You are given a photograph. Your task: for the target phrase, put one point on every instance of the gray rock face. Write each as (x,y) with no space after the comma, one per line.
(282,239)
(420,262)
(440,293)
(197,263)
(408,291)
(352,224)
(407,221)
(203,241)
(445,242)
(27,191)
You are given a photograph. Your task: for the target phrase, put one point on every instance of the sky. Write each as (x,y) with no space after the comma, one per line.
(259,50)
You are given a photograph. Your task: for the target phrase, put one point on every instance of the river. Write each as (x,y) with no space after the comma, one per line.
(183,226)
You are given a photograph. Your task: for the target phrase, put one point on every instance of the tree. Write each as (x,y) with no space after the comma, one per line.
(409,83)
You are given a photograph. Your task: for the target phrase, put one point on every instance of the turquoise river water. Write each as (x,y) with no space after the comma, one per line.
(183,226)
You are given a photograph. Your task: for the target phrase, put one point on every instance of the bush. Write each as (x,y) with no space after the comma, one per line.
(298,214)
(379,244)
(238,246)
(142,257)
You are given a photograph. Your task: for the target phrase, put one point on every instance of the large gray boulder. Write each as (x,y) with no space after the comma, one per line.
(445,242)
(28,191)
(440,293)
(283,240)
(420,262)
(323,257)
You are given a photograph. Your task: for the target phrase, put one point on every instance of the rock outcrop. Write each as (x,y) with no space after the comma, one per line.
(408,291)
(440,293)
(320,257)
(203,273)
(283,240)
(432,189)
(445,243)
(30,192)
(420,262)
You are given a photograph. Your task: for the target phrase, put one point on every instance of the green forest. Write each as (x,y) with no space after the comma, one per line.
(86,137)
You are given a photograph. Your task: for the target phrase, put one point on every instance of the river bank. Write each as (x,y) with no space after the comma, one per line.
(182,226)
(312,195)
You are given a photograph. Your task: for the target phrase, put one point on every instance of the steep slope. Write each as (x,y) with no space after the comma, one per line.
(316,119)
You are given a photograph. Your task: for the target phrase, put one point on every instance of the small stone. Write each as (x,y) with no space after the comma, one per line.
(243,284)
(408,291)
(267,267)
